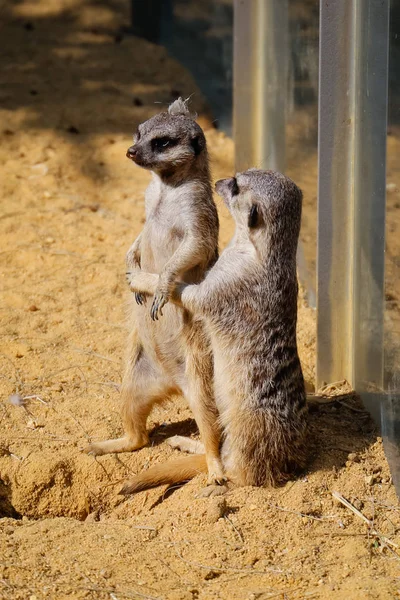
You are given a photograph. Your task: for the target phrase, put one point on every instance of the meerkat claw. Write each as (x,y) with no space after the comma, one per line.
(140,299)
(160,300)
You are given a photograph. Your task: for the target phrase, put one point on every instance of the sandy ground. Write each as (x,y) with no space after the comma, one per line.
(71,204)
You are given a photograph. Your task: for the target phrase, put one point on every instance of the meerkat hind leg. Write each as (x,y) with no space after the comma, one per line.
(142,387)
(200,397)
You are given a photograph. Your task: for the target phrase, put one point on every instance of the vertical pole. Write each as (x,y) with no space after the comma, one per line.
(353,94)
(261,60)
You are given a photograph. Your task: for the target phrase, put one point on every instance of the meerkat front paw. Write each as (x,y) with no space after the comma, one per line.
(139,297)
(212,490)
(160,299)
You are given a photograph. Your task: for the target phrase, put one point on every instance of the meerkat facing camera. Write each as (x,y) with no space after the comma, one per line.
(179,241)
(248,301)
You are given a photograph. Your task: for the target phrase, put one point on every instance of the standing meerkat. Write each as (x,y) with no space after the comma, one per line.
(248,301)
(179,241)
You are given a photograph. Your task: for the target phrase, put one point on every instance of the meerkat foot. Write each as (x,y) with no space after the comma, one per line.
(123,444)
(186,444)
(211,491)
(216,475)
(159,301)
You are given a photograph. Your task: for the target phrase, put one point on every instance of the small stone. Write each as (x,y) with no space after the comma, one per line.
(33,308)
(105,573)
(16,400)
(216,509)
(353,457)
(370,480)
(92,517)
(357,503)
(57,387)
(391,187)
(253,507)
(211,575)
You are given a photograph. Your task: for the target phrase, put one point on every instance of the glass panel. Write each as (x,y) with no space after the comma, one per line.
(275,103)
(302,127)
(391,406)
(199,35)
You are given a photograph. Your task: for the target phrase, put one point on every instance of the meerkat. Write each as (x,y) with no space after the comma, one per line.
(248,301)
(179,241)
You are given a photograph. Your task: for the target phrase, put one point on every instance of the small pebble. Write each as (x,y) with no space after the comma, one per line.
(33,308)
(16,400)
(92,517)
(357,503)
(391,187)
(105,573)
(211,575)
(370,480)
(216,509)
(353,457)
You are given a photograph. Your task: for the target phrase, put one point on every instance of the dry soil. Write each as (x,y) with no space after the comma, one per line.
(71,204)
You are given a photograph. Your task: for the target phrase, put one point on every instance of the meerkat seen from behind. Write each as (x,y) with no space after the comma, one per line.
(248,301)
(179,241)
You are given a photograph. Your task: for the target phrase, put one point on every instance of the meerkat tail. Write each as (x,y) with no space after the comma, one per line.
(177,471)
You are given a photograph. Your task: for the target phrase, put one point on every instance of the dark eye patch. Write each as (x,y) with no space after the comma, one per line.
(233,187)
(253,217)
(163,143)
(137,135)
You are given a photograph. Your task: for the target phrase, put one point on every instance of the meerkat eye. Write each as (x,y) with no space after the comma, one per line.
(253,217)
(137,136)
(162,144)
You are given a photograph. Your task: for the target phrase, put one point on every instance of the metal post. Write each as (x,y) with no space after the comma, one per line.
(354,37)
(261,51)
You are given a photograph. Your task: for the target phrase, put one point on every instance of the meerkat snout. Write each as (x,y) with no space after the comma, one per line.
(131,152)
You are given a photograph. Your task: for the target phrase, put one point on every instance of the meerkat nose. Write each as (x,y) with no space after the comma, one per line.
(131,152)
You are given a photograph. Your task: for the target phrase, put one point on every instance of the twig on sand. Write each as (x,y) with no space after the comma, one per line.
(385,541)
(235,529)
(300,514)
(193,563)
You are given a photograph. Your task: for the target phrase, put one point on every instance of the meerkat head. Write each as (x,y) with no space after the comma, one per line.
(263,203)
(168,141)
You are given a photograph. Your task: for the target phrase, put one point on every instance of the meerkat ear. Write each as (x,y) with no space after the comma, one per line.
(198,144)
(179,107)
(253,219)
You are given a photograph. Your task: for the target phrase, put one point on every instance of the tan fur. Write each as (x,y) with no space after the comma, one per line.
(248,301)
(178,471)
